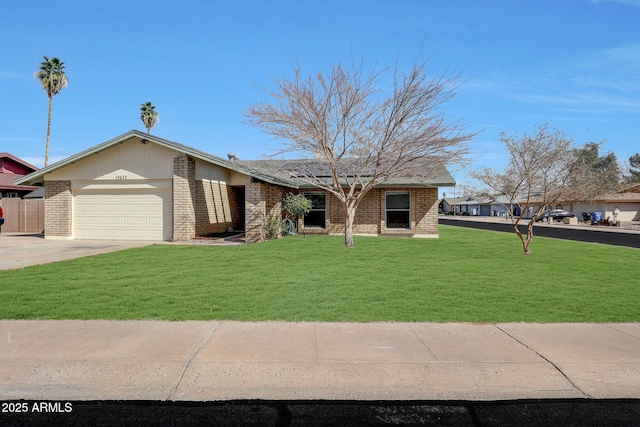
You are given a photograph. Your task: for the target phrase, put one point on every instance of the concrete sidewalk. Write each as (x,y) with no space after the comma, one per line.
(218,361)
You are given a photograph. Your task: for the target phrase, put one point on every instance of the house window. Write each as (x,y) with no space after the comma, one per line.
(318,213)
(398,206)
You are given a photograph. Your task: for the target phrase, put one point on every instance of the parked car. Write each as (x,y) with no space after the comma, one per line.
(551,214)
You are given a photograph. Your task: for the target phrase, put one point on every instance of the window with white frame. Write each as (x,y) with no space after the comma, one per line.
(318,214)
(398,208)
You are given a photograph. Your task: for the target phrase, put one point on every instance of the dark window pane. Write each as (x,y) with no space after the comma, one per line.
(314,219)
(397,219)
(397,200)
(317,200)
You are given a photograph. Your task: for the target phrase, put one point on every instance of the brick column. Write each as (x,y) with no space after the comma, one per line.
(184,183)
(426,209)
(58,212)
(255,212)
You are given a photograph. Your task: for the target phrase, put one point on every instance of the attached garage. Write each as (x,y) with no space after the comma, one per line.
(140,187)
(122,214)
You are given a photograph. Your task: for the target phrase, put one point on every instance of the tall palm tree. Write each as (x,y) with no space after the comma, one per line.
(53,80)
(149,115)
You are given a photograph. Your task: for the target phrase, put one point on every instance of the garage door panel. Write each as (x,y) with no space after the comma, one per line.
(91,221)
(130,215)
(136,209)
(140,221)
(155,221)
(138,235)
(155,235)
(87,209)
(110,208)
(110,221)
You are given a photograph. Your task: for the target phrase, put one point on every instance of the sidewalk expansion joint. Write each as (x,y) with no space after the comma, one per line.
(556,367)
(423,343)
(613,328)
(188,363)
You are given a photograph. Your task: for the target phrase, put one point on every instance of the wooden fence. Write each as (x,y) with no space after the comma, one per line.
(23,215)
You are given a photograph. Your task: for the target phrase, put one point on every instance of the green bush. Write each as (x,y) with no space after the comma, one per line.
(296,204)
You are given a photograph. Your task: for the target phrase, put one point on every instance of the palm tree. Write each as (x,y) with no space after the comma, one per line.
(149,115)
(53,80)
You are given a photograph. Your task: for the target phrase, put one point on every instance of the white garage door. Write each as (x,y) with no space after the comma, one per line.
(123,215)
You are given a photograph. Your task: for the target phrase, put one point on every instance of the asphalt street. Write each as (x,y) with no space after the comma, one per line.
(614,237)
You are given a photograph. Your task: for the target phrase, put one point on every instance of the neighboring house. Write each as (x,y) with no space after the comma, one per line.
(626,203)
(448,204)
(478,206)
(500,206)
(462,206)
(141,187)
(12,168)
(469,206)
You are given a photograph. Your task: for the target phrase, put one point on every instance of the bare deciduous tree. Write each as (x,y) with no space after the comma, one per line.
(544,168)
(360,134)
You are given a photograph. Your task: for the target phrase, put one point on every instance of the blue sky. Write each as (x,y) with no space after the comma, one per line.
(574,64)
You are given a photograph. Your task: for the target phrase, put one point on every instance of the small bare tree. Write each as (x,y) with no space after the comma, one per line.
(360,135)
(544,168)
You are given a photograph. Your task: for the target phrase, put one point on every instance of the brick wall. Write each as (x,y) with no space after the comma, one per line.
(184,195)
(426,211)
(255,213)
(262,203)
(58,209)
(213,210)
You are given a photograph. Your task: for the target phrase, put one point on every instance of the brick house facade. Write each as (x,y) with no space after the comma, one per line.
(137,186)
(370,215)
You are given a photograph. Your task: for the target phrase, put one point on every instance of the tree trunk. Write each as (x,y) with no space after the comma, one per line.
(349,214)
(46,152)
(525,240)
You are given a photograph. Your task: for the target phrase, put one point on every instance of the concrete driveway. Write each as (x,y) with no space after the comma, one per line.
(23,250)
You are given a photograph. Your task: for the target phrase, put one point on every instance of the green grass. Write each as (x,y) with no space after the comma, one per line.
(465,276)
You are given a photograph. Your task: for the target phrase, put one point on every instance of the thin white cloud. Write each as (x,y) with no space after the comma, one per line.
(8,75)
(604,81)
(635,3)
(39,161)
(9,139)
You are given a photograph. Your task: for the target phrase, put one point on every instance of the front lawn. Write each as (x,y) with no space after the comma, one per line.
(465,276)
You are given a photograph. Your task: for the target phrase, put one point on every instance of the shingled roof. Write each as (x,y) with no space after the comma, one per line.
(291,169)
